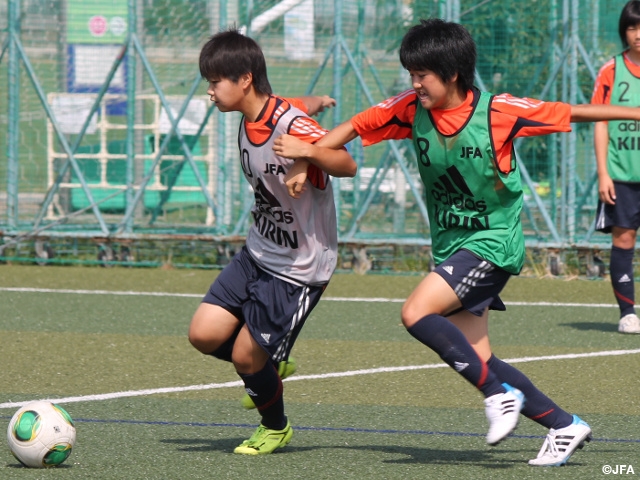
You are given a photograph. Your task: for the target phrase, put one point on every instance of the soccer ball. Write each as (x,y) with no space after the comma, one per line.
(41,434)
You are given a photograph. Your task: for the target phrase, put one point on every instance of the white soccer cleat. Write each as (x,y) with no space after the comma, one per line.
(629,324)
(503,411)
(562,443)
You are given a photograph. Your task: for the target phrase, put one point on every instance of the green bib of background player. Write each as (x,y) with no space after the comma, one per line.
(623,159)
(471,204)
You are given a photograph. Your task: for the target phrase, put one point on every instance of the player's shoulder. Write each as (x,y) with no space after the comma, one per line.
(404,98)
(306,127)
(291,103)
(300,124)
(281,108)
(608,67)
(506,100)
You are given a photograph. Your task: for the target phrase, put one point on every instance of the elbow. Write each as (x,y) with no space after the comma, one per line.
(345,167)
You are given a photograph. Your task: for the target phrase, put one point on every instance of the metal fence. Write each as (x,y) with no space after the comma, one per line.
(111,152)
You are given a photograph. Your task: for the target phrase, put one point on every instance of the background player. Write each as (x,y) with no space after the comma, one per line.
(464,145)
(255,309)
(618,162)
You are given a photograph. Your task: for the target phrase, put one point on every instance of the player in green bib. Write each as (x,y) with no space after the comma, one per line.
(465,210)
(617,148)
(464,144)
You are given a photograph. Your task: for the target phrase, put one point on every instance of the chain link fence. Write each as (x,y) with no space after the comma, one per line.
(112,153)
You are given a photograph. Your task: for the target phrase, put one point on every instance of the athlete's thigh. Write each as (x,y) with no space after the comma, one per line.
(219,316)
(211,325)
(476,330)
(277,311)
(432,295)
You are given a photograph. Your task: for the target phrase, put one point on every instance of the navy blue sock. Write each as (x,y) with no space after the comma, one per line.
(621,270)
(538,407)
(444,338)
(265,389)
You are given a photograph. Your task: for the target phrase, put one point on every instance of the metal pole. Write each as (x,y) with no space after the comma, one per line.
(356,152)
(595,27)
(455,13)
(553,152)
(13,113)
(337,86)
(573,95)
(563,138)
(221,150)
(131,110)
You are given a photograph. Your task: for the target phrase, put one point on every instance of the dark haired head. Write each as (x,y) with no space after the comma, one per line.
(229,54)
(445,48)
(629,17)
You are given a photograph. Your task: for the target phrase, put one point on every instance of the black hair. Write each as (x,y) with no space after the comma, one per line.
(629,17)
(229,54)
(445,48)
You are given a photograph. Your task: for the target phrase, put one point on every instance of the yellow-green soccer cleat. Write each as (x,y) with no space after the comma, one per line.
(286,368)
(265,441)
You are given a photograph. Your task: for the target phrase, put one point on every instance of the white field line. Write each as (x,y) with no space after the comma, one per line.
(324,299)
(137,393)
(320,376)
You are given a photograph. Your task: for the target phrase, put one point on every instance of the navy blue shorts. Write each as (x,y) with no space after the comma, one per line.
(477,283)
(273,310)
(626,211)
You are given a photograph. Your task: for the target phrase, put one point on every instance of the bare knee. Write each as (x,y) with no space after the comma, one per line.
(432,296)
(201,338)
(210,327)
(201,342)
(412,314)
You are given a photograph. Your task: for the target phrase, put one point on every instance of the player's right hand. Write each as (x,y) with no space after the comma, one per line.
(606,190)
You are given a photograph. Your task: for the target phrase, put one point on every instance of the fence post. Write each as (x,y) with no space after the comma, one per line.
(132,21)
(13,114)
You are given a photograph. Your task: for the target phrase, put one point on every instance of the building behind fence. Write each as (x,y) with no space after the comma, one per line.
(111,151)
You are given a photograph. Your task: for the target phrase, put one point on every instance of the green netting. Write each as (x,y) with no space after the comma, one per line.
(549,49)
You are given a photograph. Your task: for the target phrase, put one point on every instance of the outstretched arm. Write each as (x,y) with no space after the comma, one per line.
(337,163)
(339,136)
(597,112)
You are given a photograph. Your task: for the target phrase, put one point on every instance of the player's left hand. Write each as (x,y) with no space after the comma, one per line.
(326,102)
(296,178)
(318,103)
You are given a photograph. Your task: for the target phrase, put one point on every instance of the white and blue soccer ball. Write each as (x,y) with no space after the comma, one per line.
(41,434)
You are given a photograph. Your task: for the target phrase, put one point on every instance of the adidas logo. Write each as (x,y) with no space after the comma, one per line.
(251,392)
(451,190)
(266,336)
(454,182)
(459,366)
(508,406)
(449,270)
(624,279)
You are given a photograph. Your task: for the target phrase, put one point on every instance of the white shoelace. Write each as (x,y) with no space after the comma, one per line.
(549,444)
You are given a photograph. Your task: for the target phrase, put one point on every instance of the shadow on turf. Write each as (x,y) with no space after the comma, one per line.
(201,445)
(435,456)
(598,326)
(19,466)
(409,455)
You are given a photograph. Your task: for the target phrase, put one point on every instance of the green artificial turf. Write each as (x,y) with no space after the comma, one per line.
(148,406)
